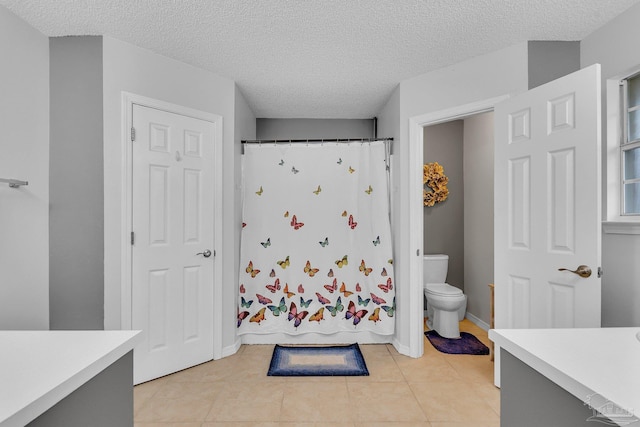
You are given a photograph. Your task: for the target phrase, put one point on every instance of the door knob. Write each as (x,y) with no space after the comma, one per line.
(582,271)
(207,254)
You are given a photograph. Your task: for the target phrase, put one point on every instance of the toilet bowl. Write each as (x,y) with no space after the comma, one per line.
(446,304)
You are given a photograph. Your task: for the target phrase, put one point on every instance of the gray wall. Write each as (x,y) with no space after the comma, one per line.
(76,217)
(314,128)
(444,222)
(549,60)
(478,213)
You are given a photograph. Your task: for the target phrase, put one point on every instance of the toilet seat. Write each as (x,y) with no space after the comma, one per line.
(442,289)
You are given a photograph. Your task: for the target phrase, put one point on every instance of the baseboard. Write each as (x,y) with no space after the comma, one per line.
(477,321)
(232,349)
(402,349)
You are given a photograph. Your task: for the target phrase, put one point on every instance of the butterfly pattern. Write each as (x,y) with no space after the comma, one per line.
(335,309)
(284,263)
(352,223)
(318,316)
(275,287)
(308,216)
(295,224)
(277,310)
(353,314)
(305,304)
(286,291)
(295,316)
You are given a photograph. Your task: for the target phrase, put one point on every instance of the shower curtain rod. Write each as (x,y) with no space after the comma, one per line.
(313,140)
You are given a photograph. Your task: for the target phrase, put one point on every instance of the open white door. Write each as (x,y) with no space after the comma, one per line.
(173,240)
(548,205)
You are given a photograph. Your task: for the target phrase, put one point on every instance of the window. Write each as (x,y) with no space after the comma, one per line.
(630,146)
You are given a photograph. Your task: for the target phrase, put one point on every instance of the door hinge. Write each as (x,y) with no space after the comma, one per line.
(133,238)
(133,134)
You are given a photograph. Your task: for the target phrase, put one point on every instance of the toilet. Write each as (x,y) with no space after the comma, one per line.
(446,304)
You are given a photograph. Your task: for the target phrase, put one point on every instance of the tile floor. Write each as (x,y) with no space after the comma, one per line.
(437,390)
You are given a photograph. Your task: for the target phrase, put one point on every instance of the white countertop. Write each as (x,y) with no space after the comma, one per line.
(40,368)
(584,362)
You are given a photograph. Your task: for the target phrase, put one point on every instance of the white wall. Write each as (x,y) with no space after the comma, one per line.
(132,69)
(480,78)
(614,46)
(245,128)
(24,155)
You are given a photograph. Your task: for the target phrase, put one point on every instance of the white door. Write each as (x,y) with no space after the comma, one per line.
(172,223)
(548,204)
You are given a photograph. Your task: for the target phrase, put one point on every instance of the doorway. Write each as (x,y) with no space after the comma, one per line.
(416,212)
(462,225)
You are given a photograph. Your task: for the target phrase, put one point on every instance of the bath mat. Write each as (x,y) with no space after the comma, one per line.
(466,344)
(317,361)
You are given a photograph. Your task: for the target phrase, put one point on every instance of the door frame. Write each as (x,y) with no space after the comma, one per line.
(127,102)
(416,209)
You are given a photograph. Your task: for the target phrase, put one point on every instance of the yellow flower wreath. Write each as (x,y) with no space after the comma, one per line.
(433,177)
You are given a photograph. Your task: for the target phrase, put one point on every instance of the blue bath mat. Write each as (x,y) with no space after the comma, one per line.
(317,361)
(466,344)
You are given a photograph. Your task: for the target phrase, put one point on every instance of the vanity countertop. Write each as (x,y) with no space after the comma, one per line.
(584,362)
(40,368)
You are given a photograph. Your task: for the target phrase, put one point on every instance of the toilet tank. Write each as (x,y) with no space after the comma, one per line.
(435,268)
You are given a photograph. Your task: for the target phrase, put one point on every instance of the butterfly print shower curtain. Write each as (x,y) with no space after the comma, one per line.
(316,240)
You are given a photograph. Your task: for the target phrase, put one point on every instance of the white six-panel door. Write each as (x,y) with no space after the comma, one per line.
(547,204)
(172,222)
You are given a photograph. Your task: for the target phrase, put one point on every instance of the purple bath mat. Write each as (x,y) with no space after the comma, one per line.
(466,344)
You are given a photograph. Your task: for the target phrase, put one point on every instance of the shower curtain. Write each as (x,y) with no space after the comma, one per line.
(316,240)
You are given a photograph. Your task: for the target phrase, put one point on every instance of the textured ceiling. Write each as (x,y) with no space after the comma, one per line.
(320,58)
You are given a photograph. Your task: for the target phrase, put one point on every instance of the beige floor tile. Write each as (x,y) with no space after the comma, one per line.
(395,424)
(196,424)
(383,401)
(241,424)
(215,370)
(381,369)
(173,410)
(321,379)
(245,401)
(454,400)
(265,351)
(142,393)
(428,368)
(472,368)
(374,350)
(250,368)
(190,390)
(466,424)
(316,402)
(436,390)
(489,392)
